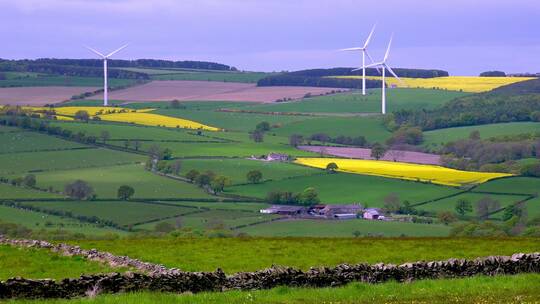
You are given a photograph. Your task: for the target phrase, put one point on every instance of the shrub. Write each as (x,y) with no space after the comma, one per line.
(79,190)
(254,176)
(125,192)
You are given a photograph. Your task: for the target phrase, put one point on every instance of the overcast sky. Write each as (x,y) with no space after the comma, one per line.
(464,37)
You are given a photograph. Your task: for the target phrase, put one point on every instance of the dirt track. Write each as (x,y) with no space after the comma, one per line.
(39,96)
(210,91)
(391,155)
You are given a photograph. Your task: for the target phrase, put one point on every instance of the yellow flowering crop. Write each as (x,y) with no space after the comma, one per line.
(454,83)
(424,173)
(149,119)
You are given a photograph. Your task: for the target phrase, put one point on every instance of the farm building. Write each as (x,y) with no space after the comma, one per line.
(277,157)
(333,210)
(284,210)
(373,214)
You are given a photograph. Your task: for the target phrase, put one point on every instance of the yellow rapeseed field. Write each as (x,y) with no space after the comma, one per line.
(424,173)
(149,119)
(455,83)
(118,114)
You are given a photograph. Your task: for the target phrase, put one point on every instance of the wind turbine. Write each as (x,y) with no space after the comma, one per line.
(105,57)
(385,67)
(364,54)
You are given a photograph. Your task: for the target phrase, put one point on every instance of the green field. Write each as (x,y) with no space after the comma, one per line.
(501,289)
(19,163)
(38,221)
(442,136)
(39,80)
(250,254)
(349,188)
(236,169)
(247,77)
(42,264)
(106,180)
(371,128)
(344,228)
(30,141)
(122,213)
(12,192)
(528,185)
(355,102)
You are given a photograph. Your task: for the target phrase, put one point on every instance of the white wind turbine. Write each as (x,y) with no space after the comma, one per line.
(384,67)
(364,54)
(105,57)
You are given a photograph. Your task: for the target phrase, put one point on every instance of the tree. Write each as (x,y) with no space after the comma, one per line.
(29,180)
(263,126)
(137,144)
(378,151)
(474,135)
(82,115)
(254,176)
(203,180)
(126,144)
(463,206)
(175,104)
(176,167)
(79,190)
(257,136)
(192,175)
(125,192)
(446,217)
(155,152)
(391,203)
(407,135)
(309,197)
(219,183)
(105,135)
(485,206)
(295,140)
(331,168)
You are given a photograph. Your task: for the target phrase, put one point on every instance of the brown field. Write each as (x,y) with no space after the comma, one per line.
(38,96)
(391,155)
(210,91)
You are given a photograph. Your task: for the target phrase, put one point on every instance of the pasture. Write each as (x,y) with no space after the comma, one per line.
(24,79)
(106,180)
(355,102)
(15,142)
(343,188)
(244,77)
(11,192)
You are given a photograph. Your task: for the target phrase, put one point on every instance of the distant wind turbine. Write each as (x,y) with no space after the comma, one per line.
(364,53)
(384,67)
(105,57)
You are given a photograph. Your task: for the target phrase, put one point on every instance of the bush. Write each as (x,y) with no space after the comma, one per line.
(254,176)
(531,170)
(125,192)
(79,190)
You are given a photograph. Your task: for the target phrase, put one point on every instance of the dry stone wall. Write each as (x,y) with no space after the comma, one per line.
(160,278)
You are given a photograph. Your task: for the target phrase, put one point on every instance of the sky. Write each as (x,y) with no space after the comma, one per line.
(464,37)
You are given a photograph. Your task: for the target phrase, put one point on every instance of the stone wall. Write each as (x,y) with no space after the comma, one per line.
(159,278)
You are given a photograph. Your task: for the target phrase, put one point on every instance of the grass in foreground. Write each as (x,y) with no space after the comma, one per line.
(502,289)
(249,254)
(42,264)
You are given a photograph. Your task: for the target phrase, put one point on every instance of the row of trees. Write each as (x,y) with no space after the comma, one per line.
(308,197)
(208,180)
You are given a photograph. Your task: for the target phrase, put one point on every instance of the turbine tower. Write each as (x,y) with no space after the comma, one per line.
(384,67)
(364,54)
(105,57)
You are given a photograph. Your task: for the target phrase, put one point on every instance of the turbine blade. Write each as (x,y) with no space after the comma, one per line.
(388,48)
(116,51)
(392,72)
(351,49)
(94,51)
(377,64)
(370,58)
(369,37)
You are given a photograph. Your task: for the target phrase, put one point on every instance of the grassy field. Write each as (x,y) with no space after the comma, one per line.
(19,163)
(442,136)
(236,169)
(345,228)
(39,80)
(501,289)
(371,128)
(42,264)
(122,213)
(12,192)
(247,77)
(528,185)
(249,254)
(30,141)
(349,188)
(106,180)
(37,221)
(355,102)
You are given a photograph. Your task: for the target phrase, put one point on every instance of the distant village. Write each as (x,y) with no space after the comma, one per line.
(321,211)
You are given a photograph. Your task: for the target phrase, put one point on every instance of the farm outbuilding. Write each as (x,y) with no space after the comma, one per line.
(332,210)
(284,210)
(373,214)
